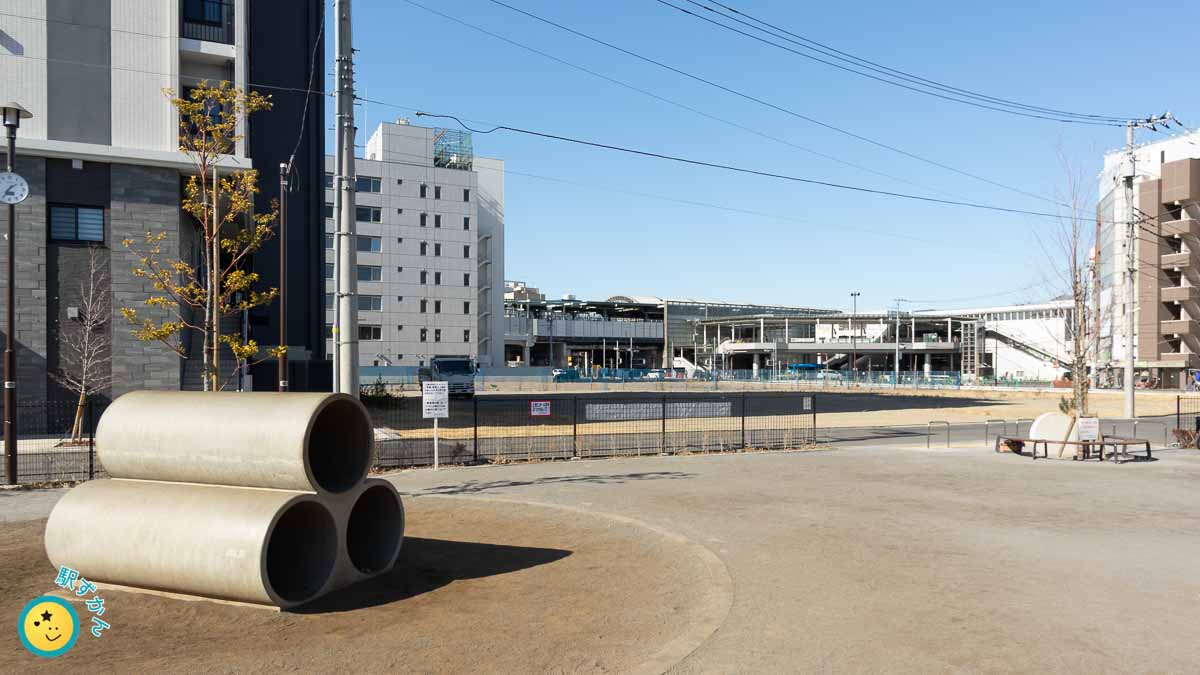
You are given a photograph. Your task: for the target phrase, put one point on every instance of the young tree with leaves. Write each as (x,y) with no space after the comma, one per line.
(196,296)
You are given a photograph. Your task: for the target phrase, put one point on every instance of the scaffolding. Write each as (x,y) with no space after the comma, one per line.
(969,348)
(452,149)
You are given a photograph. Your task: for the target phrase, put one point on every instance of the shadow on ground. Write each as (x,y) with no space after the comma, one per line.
(476,487)
(835,402)
(428,564)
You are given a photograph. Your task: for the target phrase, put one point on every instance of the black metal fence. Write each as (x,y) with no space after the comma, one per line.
(50,446)
(505,428)
(1187,413)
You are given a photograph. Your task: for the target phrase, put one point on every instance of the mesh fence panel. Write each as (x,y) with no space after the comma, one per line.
(50,444)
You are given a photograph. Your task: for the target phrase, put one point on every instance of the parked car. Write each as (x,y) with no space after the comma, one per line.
(829,376)
(654,375)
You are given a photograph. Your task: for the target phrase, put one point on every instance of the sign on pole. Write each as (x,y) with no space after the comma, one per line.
(539,408)
(1088,428)
(435,404)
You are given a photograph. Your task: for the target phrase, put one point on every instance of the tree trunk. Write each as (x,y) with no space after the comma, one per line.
(77,427)
(215,295)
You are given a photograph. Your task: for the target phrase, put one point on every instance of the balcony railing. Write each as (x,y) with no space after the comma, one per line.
(208,20)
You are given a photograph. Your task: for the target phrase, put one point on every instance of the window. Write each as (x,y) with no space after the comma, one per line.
(423,189)
(399,211)
(467,335)
(370,303)
(466,222)
(370,244)
(329,241)
(71,223)
(466,194)
(399,270)
(328,300)
(424,248)
(437,334)
(466,307)
(370,273)
(466,251)
(437,220)
(437,278)
(424,305)
(328,270)
(399,298)
(424,217)
(466,279)
(437,249)
(437,191)
(399,181)
(328,180)
(328,331)
(369,332)
(327,210)
(424,277)
(367,184)
(368,214)
(437,306)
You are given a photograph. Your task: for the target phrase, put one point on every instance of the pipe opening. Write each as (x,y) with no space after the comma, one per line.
(301,551)
(375,529)
(339,445)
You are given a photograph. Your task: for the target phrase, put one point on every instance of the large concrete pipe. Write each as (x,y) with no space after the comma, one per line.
(370,530)
(262,546)
(289,441)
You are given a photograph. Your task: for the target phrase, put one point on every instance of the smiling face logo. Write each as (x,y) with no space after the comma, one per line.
(48,626)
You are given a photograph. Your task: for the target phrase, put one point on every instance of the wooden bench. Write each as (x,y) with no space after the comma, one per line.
(1084,449)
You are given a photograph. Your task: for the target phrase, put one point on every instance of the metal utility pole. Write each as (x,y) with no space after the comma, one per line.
(853,337)
(1131,264)
(13,190)
(345,332)
(896,372)
(283,190)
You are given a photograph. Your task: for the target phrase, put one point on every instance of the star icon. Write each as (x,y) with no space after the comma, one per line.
(45,616)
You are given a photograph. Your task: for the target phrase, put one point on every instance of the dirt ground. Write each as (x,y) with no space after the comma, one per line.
(481,586)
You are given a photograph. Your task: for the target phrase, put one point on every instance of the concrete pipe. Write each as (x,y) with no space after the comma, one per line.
(262,546)
(289,441)
(370,530)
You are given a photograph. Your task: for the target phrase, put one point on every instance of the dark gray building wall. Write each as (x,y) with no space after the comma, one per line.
(30,281)
(282,38)
(78,80)
(68,263)
(144,199)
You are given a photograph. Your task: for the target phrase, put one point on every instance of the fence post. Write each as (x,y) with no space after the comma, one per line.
(663,444)
(743,419)
(1178,417)
(575,426)
(91,426)
(475,421)
(813,426)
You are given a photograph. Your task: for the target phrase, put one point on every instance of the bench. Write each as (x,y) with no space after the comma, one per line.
(1084,449)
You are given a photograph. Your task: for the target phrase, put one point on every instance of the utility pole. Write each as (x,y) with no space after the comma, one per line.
(1131,265)
(284,167)
(345,332)
(15,190)
(853,337)
(896,373)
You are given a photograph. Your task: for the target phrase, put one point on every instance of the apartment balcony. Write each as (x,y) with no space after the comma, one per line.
(1180,294)
(1180,327)
(1176,261)
(1180,359)
(1181,181)
(1180,228)
(207,20)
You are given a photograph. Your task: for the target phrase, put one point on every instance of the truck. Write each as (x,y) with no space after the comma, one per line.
(457,371)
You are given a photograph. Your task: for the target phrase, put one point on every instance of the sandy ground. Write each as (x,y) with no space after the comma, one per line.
(481,586)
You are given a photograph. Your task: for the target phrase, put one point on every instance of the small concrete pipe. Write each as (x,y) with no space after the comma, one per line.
(268,547)
(289,441)
(370,531)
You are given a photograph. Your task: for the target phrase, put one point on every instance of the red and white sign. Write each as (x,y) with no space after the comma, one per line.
(539,408)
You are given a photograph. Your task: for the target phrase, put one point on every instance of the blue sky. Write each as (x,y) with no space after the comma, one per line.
(811,245)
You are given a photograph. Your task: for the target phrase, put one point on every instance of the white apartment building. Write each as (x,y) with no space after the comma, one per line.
(101,156)
(430,246)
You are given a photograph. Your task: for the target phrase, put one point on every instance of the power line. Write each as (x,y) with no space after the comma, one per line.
(763,102)
(855,61)
(737,169)
(668,101)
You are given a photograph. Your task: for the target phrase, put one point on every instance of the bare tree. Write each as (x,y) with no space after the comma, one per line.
(1070,250)
(84,356)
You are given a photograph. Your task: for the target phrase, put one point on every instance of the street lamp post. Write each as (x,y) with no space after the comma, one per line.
(12,191)
(854,338)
